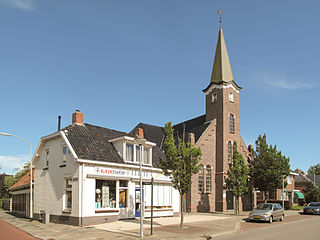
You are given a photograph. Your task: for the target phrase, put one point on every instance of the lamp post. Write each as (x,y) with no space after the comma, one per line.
(283,192)
(30,198)
(140,142)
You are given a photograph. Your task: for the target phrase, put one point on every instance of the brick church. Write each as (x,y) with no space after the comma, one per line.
(214,132)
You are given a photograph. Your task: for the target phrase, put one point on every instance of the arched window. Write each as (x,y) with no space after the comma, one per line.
(201,179)
(208,179)
(231,123)
(229,152)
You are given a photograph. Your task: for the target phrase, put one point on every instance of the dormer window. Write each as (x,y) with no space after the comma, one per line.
(147,156)
(129,152)
(132,150)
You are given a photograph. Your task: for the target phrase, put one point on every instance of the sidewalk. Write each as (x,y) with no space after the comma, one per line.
(197,226)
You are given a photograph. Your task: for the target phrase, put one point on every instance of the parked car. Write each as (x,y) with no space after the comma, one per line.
(312,208)
(267,212)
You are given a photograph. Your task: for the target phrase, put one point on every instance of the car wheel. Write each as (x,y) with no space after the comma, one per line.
(282,218)
(270,219)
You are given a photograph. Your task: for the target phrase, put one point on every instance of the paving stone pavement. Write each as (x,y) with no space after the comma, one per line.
(197,226)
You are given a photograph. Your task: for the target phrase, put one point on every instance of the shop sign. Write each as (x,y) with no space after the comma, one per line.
(110,171)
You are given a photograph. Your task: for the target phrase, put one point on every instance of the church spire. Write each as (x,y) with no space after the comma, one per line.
(221,71)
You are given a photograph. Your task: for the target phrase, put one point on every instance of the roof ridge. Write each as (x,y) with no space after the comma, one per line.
(87,124)
(149,124)
(190,120)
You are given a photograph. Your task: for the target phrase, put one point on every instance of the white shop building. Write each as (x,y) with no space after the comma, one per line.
(85,174)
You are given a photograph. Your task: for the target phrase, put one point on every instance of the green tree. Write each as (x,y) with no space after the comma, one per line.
(180,164)
(311,193)
(269,167)
(314,170)
(237,180)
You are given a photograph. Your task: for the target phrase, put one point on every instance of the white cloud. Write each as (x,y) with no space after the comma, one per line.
(10,164)
(285,82)
(28,5)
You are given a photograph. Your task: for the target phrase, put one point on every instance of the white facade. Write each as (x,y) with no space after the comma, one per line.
(82,191)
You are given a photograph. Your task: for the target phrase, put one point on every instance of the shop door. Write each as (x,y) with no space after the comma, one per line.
(229,200)
(137,202)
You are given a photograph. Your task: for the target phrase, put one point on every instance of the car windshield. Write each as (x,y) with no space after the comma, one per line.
(264,207)
(314,204)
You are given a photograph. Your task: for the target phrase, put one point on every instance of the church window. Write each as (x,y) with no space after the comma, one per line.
(231,123)
(208,179)
(201,180)
(231,97)
(229,152)
(214,97)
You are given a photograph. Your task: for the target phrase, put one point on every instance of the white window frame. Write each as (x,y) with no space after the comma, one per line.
(133,152)
(64,156)
(66,190)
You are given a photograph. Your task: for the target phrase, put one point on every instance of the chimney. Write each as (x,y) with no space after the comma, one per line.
(77,117)
(139,132)
(191,138)
(59,123)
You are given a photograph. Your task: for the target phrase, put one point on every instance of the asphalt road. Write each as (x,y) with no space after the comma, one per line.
(306,229)
(9,232)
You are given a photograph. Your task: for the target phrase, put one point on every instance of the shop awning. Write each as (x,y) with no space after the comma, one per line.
(298,195)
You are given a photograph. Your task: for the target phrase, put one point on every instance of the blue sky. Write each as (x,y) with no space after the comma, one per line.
(124,62)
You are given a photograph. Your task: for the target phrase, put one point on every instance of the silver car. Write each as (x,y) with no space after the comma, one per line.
(267,212)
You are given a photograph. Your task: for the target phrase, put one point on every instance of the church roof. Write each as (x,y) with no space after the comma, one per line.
(156,134)
(221,71)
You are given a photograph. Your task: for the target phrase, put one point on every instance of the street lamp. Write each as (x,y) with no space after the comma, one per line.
(283,191)
(140,142)
(11,135)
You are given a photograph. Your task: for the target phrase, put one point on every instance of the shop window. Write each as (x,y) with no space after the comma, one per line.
(129,152)
(64,154)
(68,194)
(208,179)
(230,152)
(231,123)
(105,194)
(201,180)
(123,193)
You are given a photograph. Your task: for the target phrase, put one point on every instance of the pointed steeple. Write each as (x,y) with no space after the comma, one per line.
(221,71)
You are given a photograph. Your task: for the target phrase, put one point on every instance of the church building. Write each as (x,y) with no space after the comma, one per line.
(214,132)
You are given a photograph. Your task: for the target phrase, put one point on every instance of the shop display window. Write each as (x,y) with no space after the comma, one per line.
(105,194)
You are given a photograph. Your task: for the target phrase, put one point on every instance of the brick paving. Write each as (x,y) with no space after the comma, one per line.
(197,226)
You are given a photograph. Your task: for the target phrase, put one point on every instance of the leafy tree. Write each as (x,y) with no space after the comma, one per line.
(180,164)
(311,193)
(314,170)
(269,166)
(237,176)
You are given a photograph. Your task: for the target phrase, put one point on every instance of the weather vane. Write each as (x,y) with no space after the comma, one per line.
(220,17)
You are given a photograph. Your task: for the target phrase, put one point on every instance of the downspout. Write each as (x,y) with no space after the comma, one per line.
(82,180)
